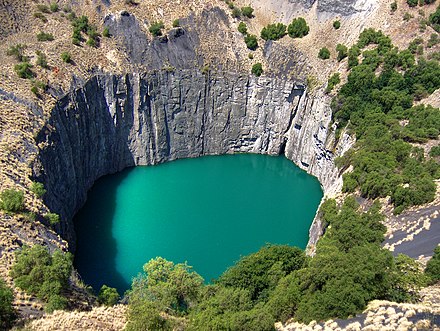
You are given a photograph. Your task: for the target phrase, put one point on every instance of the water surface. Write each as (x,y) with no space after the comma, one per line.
(207,211)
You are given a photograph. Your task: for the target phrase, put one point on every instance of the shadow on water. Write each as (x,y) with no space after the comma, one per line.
(95,257)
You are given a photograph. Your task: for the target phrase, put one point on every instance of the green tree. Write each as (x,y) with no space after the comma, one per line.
(46,276)
(337,24)
(412,3)
(393,6)
(176,23)
(257,69)
(17,51)
(54,7)
(52,218)
(324,53)
(23,70)
(342,51)
(273,31)
(433,266)
(66,57)
(108,296)
(334,80)
(42,59)
(12,200)
(7,312)
(236,12)
(242,28)
(247,11)
(251,41)
(298,28)
(43,36)
(106,32)
(38,189)
(156,28)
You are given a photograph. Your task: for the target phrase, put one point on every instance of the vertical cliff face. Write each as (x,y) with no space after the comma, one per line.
(113,122)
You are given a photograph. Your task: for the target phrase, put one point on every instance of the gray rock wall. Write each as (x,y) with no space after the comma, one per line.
(113,122)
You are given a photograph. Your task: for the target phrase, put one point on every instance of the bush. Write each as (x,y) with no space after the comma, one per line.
(247,11)
(43,36)
(412,3)
(42,59)
(46,276)
(43,9)
(7,313)
(12,200)
(334,80)
(54,7)
(38,189)
(434,20)
(435,151)
(251,42)
(273,31)
(91,42)
(40,16)
(17,51)
(298,28)
(156,28)
(66,57)
(176,23)
(242,28)
(324,53)
(106,32)
(23,70)
(108,296)
(342,51)
(52,218)
(393,6)
(257,69)
(433,266)
(337,24)
(236,12)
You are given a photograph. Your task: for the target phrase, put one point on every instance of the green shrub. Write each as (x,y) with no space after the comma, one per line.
(433,40)
(7,312)
(257,69)
(156,28)
(43,9)
(17,51)
(40,16)
(247,11)
(56,302)
(54,7)
(334,80)
(52,218)
(46,276)
(337,24)
(38,189)
(176,23)
(407,17)
(342,51)
(42,60)
(298,28)
(273,31)
(66,57)
(108,296)
(434,19)
(412,3)
(251,41)
(435,151)
(106,32)
(242,28)
(236,12)
(250,56)
(393,6)
(433,266)
(324,53)
(91,42)
(43,36)
(12,200)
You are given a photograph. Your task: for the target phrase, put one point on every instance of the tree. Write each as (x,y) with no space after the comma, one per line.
(242,28)
(108,296)
(412,3)
(164,286)
(298,28)
(236,12)
(43,36)
(42,60)
(66,57)
(433,266)
(23,70)
(273,31)
(247,11)
(334,80)
(106,32)
(176,23)
(38,189)
(156,28)
(52,218)
(46,276)
(324,53)
(337,24)
(7,313)
(12,200)
(342,51)
(17,51)
(251,41)
(257,69)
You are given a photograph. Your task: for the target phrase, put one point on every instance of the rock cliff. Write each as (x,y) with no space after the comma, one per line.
(117,121)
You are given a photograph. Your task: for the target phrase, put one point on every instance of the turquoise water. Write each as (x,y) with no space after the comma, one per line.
(207,211)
